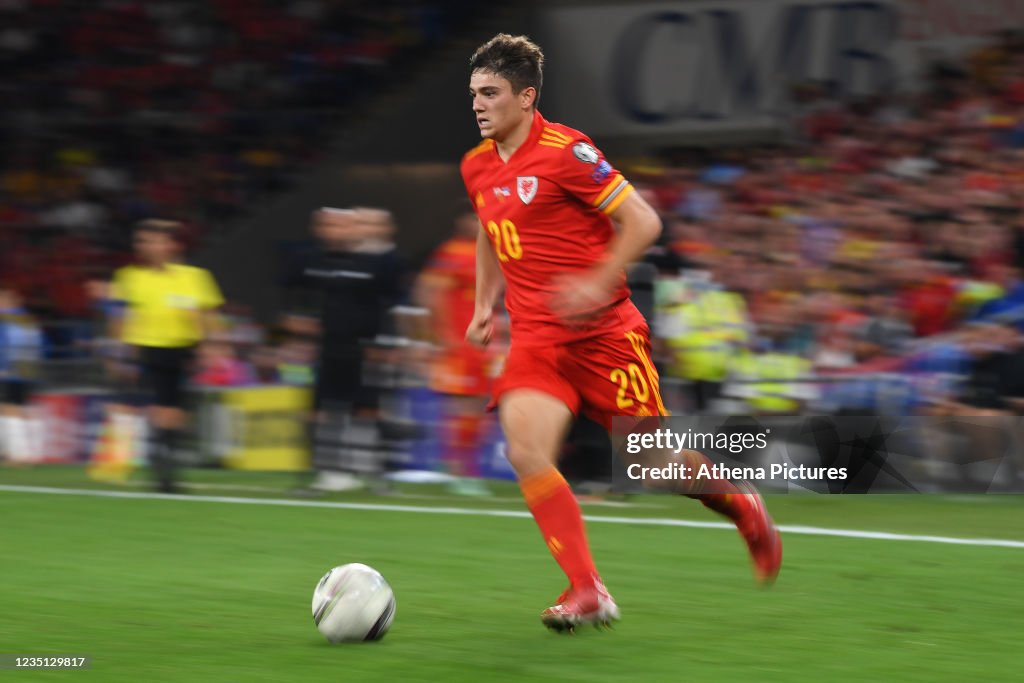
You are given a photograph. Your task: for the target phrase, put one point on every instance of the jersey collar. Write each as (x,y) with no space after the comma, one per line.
(536,128)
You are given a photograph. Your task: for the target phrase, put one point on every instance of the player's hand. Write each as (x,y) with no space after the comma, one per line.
(580,296)
(481,328)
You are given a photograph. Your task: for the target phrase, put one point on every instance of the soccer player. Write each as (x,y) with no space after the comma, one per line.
(546,198)
(168,308)
(459,370)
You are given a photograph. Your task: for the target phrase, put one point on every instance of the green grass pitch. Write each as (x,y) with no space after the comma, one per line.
(180,590)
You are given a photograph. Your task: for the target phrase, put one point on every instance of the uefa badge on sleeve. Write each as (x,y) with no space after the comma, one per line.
(526,188)
(585,153)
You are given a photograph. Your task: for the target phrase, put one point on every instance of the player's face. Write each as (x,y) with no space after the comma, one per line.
(154,247)
(498,110)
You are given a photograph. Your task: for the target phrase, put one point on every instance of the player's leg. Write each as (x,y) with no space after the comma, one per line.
(338,387)
(317,425)
(167,423)
(536,406)
(460,437)
(152,388)
(458,375)
(535,425)
(616,377)
(376,371)
(167,373)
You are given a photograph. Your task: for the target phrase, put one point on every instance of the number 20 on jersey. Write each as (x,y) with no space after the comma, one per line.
(506,240)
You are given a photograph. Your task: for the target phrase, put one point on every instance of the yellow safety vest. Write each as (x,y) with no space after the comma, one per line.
(163,306)
(766,387)
(712,325)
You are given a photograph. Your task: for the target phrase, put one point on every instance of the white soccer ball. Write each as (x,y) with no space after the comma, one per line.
(353,602)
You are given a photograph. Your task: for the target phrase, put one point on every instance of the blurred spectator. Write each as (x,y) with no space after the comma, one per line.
(295,360)
(219,366)
(865,242)
(21,436)
(119,110)
(995,381)
(886,331)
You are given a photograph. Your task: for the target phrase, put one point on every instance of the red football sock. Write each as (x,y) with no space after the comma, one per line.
(558,515)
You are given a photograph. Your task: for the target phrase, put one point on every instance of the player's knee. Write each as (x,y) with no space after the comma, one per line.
(535,426)
(526,460)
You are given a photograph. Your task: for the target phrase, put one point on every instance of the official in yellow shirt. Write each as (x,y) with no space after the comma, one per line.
(166,309)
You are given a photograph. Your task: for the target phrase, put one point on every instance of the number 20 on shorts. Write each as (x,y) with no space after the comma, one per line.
(630,378)
(506,240)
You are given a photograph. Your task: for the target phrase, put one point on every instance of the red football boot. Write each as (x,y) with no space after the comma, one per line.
(589,604)
(762,537)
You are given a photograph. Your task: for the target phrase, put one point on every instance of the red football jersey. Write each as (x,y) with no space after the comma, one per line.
(546,213)
(453,265)
(460,368)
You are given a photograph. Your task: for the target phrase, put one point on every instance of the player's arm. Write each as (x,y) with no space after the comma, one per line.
(639,227)
(211,323)
(115,324)
(489,285)
(112,301)
(583,172)
(112,298)
(489,281)
(580,295)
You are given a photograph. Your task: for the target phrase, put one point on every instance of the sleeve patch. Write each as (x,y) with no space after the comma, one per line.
(585,153)
(601,173)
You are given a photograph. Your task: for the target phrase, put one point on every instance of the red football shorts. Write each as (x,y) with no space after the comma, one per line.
(461,371)
(601,377)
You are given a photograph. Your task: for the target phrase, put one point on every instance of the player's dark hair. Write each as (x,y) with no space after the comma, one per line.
(515,58)
(159,226)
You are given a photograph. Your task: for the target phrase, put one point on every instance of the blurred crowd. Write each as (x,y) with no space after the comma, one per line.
(118,110)
(873,263)
(887,237)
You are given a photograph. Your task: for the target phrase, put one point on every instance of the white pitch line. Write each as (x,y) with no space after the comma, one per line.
(516,514)
(204,486)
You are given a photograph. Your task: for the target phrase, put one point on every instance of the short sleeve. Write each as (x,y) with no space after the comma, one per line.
(588,176)
(208,292)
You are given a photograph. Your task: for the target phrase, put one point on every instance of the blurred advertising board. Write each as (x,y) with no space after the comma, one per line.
(62,418)
(720,66)
(255,428)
